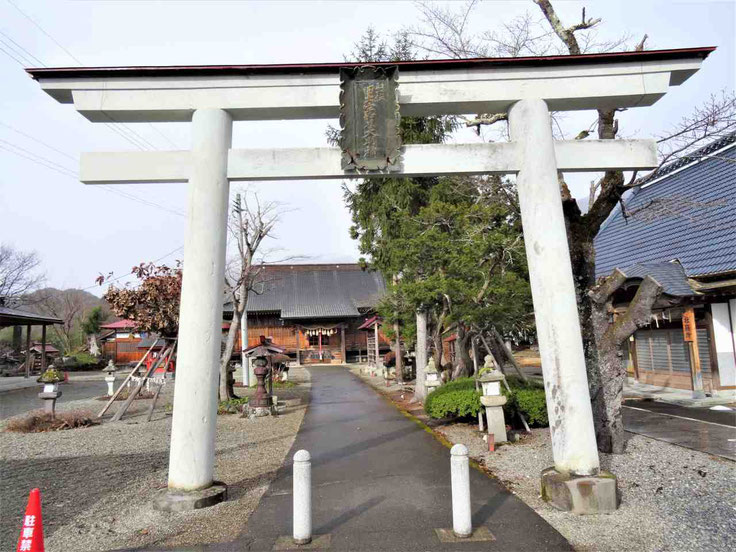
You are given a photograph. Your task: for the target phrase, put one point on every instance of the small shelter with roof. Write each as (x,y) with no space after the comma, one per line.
(17,317)
(678,226)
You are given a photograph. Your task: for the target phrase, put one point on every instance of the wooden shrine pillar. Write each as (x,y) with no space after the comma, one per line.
(43,348)
(342,344)
(690,335)
(29,357)
(298,346)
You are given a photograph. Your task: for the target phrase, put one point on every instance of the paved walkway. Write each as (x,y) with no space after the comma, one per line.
(700,429)
(380,482)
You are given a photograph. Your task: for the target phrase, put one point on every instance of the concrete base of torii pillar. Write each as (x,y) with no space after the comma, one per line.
(575,483)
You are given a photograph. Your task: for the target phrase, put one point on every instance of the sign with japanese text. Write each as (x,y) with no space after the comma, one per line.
(688,325)
(369,119)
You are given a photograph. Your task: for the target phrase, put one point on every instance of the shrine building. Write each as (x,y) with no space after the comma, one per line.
(314,311)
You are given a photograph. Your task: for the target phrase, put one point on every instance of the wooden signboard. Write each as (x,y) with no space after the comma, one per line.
(369,119)
(688,325)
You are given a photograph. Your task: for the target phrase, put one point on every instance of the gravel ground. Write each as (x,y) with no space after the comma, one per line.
(673,499)
(97,483)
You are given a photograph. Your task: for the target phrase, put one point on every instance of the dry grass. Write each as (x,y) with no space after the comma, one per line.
(125,393)
(38,421)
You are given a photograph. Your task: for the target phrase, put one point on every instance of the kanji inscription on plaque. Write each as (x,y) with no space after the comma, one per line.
(369,119)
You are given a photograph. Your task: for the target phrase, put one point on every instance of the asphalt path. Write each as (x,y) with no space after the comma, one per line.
(381,482)
(19,401)
(703,414)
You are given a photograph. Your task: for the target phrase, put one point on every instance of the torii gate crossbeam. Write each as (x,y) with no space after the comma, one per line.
(212,97)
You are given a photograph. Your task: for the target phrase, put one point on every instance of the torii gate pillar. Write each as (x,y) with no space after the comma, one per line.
(575,482)
(192,452)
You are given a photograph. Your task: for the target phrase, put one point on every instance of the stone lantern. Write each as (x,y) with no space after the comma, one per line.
(431,376)
(50,379)
(493,401)
(261,402)
(110,377)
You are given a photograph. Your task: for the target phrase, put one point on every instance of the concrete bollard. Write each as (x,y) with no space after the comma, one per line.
(302,475)
(460,478)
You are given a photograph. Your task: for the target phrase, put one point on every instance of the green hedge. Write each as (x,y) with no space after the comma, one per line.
(456,398)
(460,399)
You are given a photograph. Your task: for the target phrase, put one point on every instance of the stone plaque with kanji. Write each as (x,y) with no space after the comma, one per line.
(369,119)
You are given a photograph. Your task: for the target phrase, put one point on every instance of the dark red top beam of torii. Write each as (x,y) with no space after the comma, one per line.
(333,67)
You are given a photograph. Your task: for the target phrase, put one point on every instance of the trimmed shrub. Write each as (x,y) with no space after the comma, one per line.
(460,399)
(528,399)
(456,398)
(532,403)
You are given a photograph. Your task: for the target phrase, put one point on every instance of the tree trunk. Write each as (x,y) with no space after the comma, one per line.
(399,358)
(94,348)
(226,388)
(463,362)
(420,390)
(437,345)
(606,377)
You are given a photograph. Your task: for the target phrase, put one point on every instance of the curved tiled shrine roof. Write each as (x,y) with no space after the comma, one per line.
(688,215)
(316,291)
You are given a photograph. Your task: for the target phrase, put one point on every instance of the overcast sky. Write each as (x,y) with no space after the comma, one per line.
(80,231)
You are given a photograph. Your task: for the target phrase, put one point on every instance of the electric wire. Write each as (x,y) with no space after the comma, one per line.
(40,160)
(29,54)
(133,137)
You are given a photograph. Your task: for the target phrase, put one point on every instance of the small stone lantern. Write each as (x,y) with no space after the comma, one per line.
(261,402)
(493,401)
(110,377)
(431,376)
(50,379)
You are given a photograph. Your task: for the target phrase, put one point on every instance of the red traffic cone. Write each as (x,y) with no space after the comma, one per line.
(31,534)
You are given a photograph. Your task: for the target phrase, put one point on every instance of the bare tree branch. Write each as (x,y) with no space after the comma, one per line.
(18,274)
(638,313)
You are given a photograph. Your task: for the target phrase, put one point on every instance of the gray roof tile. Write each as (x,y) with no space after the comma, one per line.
(317,291)
(670,275)
(688,215)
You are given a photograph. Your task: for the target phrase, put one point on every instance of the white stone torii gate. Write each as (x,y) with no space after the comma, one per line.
(212,97)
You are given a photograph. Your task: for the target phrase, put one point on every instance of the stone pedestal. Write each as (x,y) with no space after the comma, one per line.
(172,500)
(580,494)
(49,401)
(494,415)
(110,385)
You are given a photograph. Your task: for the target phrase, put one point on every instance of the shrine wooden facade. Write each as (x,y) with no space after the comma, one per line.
(314,311)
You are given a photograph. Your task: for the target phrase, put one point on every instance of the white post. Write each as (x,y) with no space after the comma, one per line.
(421,354)
(555,307)
(460,479)
(302,505)
(192,454)
(244,361)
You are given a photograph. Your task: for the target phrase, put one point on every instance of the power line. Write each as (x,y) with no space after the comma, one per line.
(130,273)
(43,161)
(133,133)
(29,54)
(33,21)
(39,141)
(11,56)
